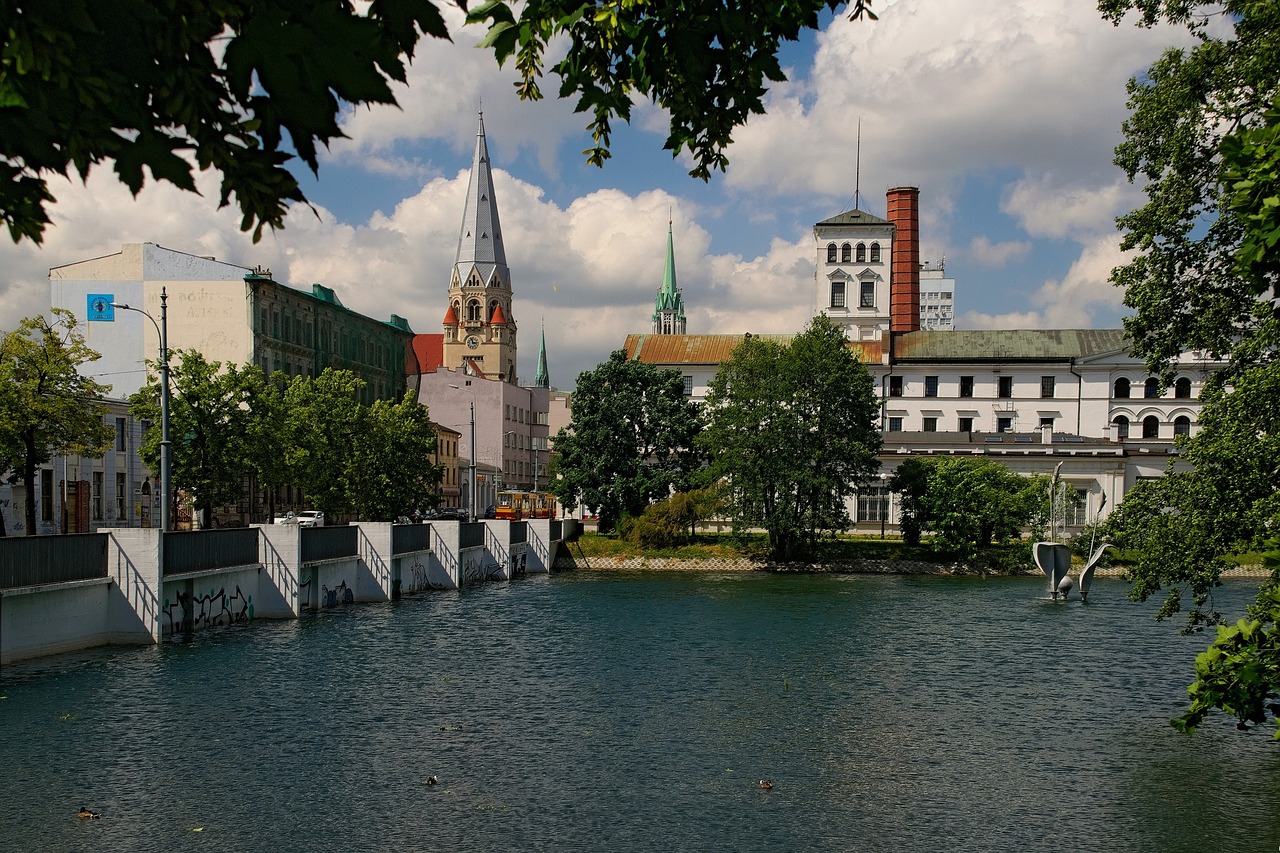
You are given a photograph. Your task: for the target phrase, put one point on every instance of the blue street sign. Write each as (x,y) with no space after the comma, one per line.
(100,307)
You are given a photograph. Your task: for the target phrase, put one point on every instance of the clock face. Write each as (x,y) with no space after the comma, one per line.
(473,342)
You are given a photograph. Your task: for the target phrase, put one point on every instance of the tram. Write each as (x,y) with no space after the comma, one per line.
(517,505)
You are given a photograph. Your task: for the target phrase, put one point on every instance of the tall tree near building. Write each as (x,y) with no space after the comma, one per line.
(242,87)
(209,427)
(791,432)
(48,407)
(391,468)
(266,432)
(324,421)
(1203,135)
(630,440)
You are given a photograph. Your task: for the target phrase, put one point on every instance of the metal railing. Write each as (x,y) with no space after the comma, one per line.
(519,532)
(329,543)
(35,560)
(201,550)
(410,537)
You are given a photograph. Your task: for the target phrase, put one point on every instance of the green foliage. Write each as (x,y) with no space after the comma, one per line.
(1203,134)
(391,468)
(630,440)
(706,62)
(209,420)
(324,421)
(672,521)
(966,504)
(47,406)
(791,432)
(242,87)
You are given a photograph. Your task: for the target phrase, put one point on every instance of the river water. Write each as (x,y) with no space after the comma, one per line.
(618,711)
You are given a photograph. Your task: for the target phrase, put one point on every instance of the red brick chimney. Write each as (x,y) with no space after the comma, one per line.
(904,289)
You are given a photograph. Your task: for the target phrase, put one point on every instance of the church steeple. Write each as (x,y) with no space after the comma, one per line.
(668,308)
(542,379)
(479,327)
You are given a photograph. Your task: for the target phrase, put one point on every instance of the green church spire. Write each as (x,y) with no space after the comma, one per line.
(668,308)
(542,379)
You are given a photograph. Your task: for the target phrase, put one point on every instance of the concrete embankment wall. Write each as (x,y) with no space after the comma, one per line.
(293,570)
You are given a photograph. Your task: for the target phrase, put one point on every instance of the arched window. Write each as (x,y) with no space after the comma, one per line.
(1122,427)
(1150,427)
(831,253)
(862,253)
(1152,389)
(875,253)
(1182,388)
(1122,389)
(1182,425)
(473,311)
(493,306)
(844,253)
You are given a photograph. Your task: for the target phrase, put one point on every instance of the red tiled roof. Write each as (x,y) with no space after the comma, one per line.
(427,354)
(450,316)
(714,349)
(498,316)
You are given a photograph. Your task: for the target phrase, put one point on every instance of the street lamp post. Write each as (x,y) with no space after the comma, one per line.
(166,447)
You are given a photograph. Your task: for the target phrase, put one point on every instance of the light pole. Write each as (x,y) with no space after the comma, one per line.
(166,447)
(884,500)
(473,454)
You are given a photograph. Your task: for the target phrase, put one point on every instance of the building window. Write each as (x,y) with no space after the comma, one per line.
(1122,389)
(895,386)
(1122,427)
(120,487)
(931,386)
(844,253)
(1152,389)
(831,253)
(1150,427)
(1182,425)
(688,392)
(1078,509)
(1182,388)
(875,253)
(1046,422)
(966,424)
(930,424)
(837,294)
(966,386)
(1005,391)
(895,424)
(1004,424)
(97,494)
(868,294)
(862,253)
(473,311)
(1046,386)
(120,434)
(46,494)
(873,503)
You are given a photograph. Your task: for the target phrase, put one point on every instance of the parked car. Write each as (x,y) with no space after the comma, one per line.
(451,513)
(311,518)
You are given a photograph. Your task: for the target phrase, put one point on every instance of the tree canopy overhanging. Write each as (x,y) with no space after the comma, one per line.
(170,86)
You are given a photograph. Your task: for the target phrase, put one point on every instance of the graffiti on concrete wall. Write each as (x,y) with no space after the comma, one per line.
(192,612)
(476,570)
(341,594)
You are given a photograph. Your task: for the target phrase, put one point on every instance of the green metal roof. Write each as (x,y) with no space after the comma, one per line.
(1007,344)
(855,217)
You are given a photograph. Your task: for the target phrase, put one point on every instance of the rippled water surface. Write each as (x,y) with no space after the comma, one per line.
(639,712)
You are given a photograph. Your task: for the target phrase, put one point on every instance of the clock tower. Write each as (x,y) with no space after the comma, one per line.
(479,329)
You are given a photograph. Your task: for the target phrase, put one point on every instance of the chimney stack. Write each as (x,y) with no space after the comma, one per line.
(904,289)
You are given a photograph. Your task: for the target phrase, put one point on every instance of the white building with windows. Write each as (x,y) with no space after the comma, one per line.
(1033,399)
(937,298)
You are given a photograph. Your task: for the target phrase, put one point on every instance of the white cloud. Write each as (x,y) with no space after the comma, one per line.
(1046,206)
(1079,300)
(989,254)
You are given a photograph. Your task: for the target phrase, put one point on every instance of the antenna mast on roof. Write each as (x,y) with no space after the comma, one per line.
(857,169)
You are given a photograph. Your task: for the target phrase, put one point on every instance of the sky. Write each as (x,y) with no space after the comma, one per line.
(1005,114)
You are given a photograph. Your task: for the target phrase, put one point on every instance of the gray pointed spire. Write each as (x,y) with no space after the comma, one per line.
(480,239)
(541,379)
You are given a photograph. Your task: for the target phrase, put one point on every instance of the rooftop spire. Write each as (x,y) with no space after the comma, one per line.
(668,308)
(541,379)
(480,238)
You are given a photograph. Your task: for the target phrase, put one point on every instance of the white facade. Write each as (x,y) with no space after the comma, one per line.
(853,273)
(937,298)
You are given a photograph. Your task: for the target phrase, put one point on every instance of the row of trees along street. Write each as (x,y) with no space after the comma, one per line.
(231,426)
